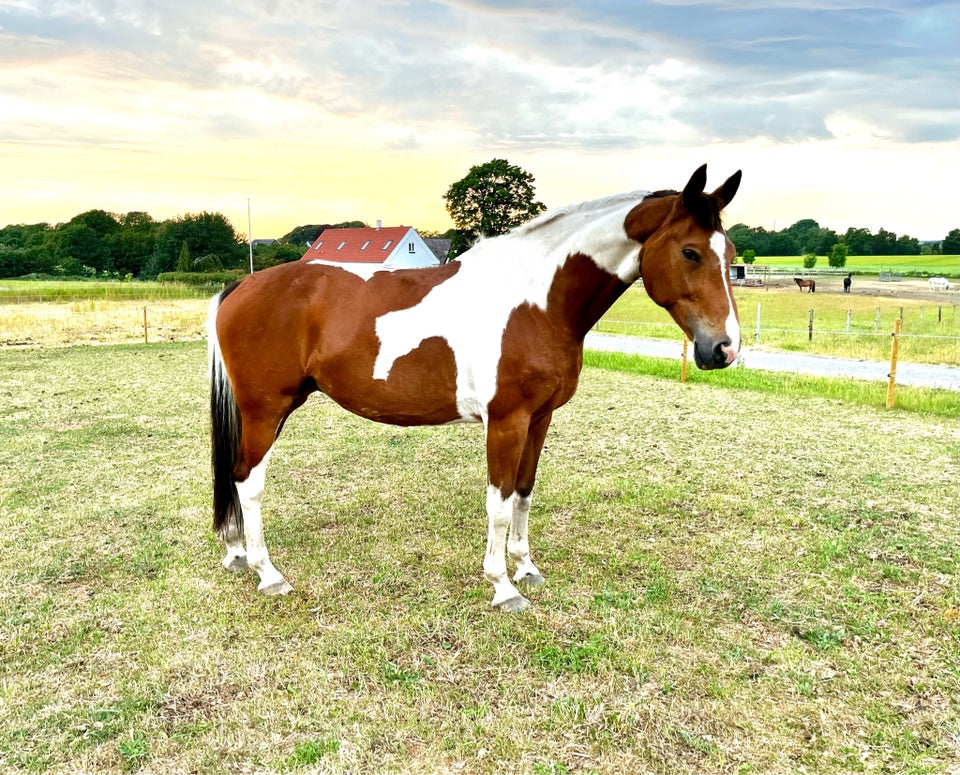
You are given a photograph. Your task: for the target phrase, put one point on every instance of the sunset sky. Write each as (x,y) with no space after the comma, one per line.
(844,111)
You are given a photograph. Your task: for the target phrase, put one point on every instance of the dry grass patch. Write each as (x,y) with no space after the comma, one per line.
(736,582)
(58,324)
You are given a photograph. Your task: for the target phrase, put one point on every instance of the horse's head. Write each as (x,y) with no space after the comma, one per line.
(685,264)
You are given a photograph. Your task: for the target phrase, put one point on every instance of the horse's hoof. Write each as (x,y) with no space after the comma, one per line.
(235,564)
(513,605)
(281,587)
(532,580)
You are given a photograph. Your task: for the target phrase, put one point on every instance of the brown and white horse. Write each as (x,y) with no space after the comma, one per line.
(494,337)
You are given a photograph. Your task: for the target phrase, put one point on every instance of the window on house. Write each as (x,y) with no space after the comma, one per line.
(411,248)
(317,244)
(389,243)
(364,246)
(340,246)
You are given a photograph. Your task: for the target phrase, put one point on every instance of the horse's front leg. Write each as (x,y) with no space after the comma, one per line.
(518,547)
(506,439)
(500,513)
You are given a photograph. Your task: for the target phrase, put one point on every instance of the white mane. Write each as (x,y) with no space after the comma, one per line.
(540,246)
(591,207)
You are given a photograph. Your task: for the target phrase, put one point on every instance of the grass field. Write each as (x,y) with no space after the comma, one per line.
(736,583)
(21,291)
(945,266)
(785,316)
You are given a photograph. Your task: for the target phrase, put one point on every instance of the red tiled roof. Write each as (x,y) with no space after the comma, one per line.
(359,246)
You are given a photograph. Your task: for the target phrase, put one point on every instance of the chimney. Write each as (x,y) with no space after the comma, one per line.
(379,224)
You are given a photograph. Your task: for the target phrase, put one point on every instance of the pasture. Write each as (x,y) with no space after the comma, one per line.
(931,324)
(736,583)
(947,266)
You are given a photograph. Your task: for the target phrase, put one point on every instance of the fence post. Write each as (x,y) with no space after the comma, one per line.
(145,338)
(876,321)
(756,335)
(939,313)
(810,335)
(849,313)
(894,354)
(683,361)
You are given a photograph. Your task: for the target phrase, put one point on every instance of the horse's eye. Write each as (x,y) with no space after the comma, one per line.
(690,254)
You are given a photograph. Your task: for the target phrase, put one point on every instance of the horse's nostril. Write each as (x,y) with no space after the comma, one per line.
(720,351)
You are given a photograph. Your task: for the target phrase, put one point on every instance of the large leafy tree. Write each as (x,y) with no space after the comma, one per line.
(207,235)
(951,243)
(491,199)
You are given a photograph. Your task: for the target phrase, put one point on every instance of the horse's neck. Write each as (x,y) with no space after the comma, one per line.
(582,292)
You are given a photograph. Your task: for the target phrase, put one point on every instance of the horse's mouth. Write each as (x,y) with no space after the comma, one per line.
(716,355)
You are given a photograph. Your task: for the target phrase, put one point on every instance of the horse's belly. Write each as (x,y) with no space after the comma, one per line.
(419,388)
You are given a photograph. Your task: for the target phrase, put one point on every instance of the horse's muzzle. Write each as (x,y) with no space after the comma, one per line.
(713,355)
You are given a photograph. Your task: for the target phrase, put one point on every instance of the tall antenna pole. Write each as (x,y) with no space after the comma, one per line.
(250,235)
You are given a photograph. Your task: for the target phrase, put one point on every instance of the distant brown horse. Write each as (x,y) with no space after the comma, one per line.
(811,284)
(494,337)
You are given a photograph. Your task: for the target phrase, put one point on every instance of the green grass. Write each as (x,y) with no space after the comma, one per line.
(737,581)
(944,266)
(944,403)
(19,291)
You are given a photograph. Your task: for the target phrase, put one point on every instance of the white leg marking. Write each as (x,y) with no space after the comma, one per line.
(518,546)
(718,242)
(499,515)
(235,560)
(251,492)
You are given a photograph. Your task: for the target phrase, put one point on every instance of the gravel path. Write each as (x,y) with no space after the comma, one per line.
(916,374)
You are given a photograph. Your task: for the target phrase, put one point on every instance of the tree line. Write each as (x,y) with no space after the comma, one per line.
(134,245)
(807,237)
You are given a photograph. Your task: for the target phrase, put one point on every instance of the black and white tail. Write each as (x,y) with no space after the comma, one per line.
(225,429)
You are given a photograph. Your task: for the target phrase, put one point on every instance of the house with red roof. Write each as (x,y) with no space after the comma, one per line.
(366,250)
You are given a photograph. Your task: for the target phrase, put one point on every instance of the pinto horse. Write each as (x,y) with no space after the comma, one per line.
(494,337)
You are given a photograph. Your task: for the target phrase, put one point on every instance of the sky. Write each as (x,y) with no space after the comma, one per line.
(845,111)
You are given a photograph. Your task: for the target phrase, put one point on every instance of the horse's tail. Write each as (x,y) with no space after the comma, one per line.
(813,286)
(225,428)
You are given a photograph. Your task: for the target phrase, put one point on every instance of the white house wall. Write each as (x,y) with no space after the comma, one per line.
(401,256)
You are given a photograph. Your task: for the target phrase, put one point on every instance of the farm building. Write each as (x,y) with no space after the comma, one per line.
(365,250)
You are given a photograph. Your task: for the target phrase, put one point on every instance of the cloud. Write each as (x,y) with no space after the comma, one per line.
(579,75)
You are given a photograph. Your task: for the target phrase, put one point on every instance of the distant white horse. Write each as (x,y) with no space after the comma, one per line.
(939,283)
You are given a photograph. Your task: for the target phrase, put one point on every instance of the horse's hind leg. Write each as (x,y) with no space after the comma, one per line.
(250,490)
(235,560)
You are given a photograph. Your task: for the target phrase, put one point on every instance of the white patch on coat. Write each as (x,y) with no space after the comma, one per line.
(470,310)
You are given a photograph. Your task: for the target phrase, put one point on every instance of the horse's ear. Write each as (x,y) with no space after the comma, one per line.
(693,189)
(728,190)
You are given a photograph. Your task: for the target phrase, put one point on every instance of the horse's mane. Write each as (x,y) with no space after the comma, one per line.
(593,205)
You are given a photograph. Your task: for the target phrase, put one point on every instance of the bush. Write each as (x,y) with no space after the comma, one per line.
(838,255)
(749,256)
(810,261)
(201,278)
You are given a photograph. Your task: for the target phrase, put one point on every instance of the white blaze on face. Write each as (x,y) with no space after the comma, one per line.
(718,242)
